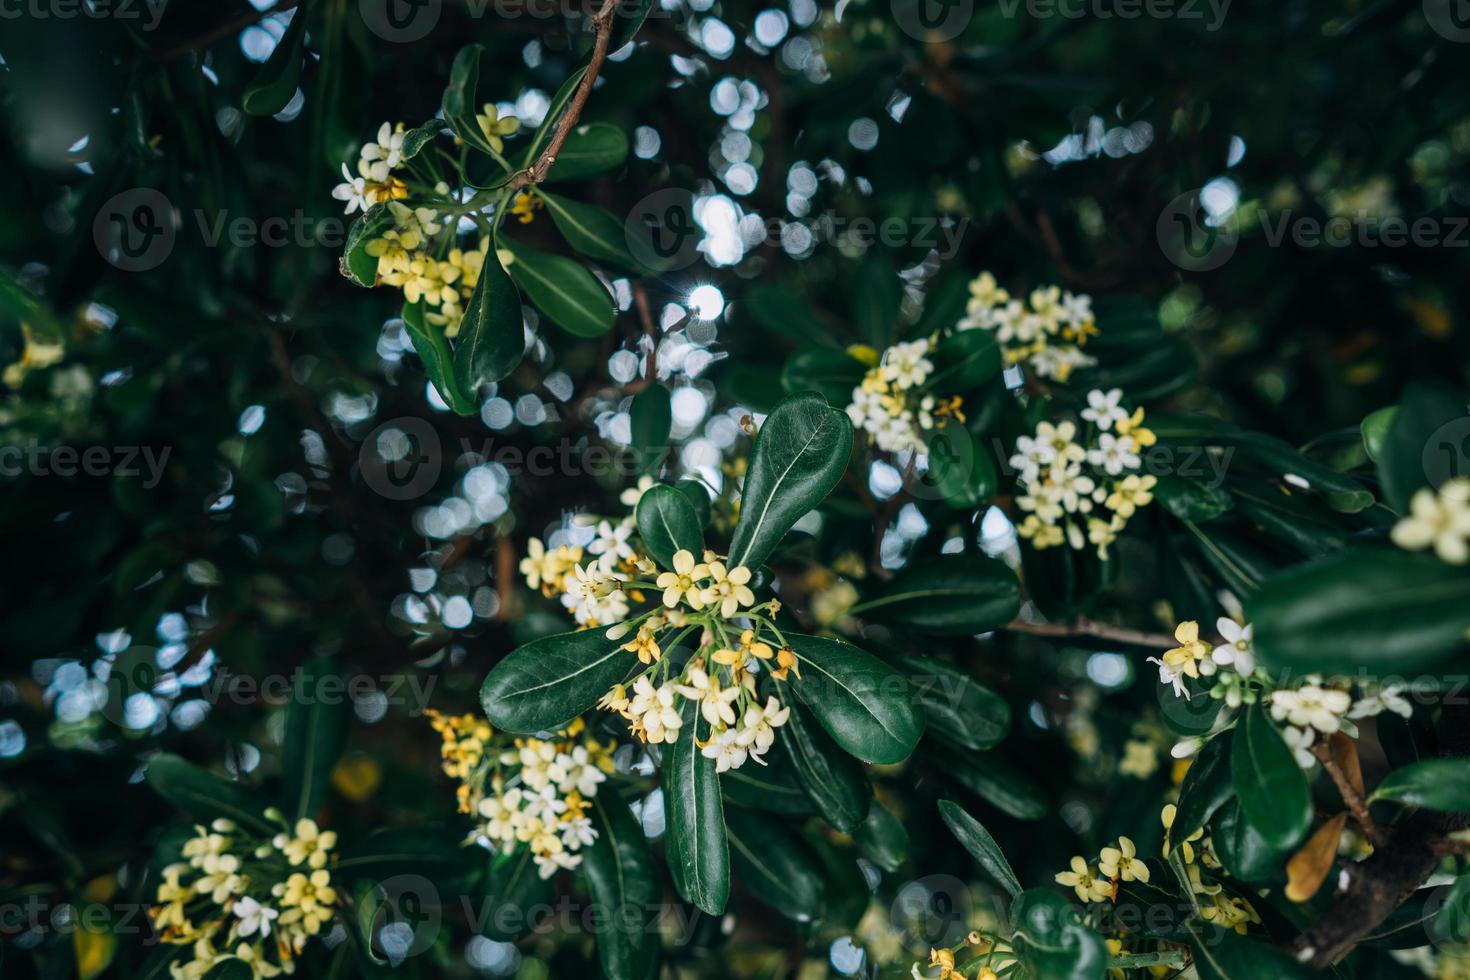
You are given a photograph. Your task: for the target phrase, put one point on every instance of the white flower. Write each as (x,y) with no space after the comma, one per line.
(1237,650)
(1441,521)
(726,750)
(611,544)
(254,917)
(1114,454)
(758,727)
(353,190)
(502,815)
(652,710)
(549,862)
(381,158)
(1300,740)
(630,497)
(545,806)
(714,700)
(580,773)
(1077,310)
(1168,676)
(1072,488)
(1059,361)
(1390,698)
(578,832)
(905,365)
(1103,408)
(1311,706)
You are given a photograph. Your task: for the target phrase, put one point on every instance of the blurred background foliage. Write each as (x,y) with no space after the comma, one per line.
(1049,145)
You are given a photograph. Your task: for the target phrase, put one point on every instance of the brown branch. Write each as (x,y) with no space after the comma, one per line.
(1351,794)
(1383,882)
(602,22)
(1083,627)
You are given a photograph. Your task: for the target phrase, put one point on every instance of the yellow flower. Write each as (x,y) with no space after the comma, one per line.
(1133,426)
(1140,759)
(683,581)
(35,354)
(1186,848)
(1122,862)
(645,645)
(493,128)
(728,590)
(310,845)
(1131,493)
(1084,882)
(525,206)
(786,662)
(1191,653)
(944,959)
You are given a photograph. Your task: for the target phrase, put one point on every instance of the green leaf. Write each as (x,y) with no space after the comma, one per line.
(882,838)
(775,866)
(951,595)
(459,104)
(562,289)
(554,111)
(651,417)
(316,728)
(786,315)
(961,470)
(357,265)
(773,787)
(698,497)
(419,137)
(964,361)
(1374,429)
(1207,786)
(990,777)
(957,708)
(624,884)
(876,294)
(205,795)
(492,336)
(432,851)
(1051,940)
(799,455)
(511,895)
(1435,784)
(592,231)
(1273,791)
(697,851)
(1221,954)
(1192,501)
(1379,611)
(945,304)
(275,84)
(433,351)
(1428,442)
(834,373)
(590,149)
(667,524)
(1452,921)
(230,968)
(542,686)
(831,779)
(982,847)
(865,705)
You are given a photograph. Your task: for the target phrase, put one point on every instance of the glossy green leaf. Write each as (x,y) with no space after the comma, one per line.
(513,896)
(460,103)
(832,779)
(989,776)
(1452,920)
(785,315)
(624,883)
(419,137)
(1051,940)
(957,707)
(667,524)
(591,231)
(774,787)
(590,149)
(964,361)
(833,372)
(357,265)
(1380,611)
(1434,784)
(698,855)
(799,455)
(698,497)
(1221,954)
(973,836)
(882,838)
(1206,787)
(951,595)
(866,706)
(230,968)
(1241,848)
(563,289)
(1189,500)
(1374,430)
(316,728)
(1428,441)
(432,851)
(542,686)
(206,796)
(554,111)
(492,335)
(961,471)
(275,84)
(438,360)
(650,417)
(1272,789)
(774,865)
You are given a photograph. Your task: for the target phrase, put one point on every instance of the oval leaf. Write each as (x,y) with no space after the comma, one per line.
(492,335)
(590,149)
(667,524)
(433,350)
(952,595)
(651,416)
(865,705)
(882,839)
(591,231)
(775,866)
(982,847)
(275,84)
(316,728)
(698,854)
(624,884)
(542,686)
(1435,784)
(511,896)
(831,779)
(563,289)
(1273,791)
(205,795)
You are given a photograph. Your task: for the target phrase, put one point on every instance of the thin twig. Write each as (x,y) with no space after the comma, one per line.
(1351,795)
(1084,627)
(602,22)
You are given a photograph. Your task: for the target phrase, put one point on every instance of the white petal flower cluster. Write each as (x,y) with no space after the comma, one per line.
(1046,332)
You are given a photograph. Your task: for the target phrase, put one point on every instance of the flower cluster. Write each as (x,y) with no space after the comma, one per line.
(988,955)
(242,896)
(1099,880)
(1083,487)
(1047,331)
(892,404)
(421,253)
(1311,709)
(527,791)
(1439,520)
(1197,853)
